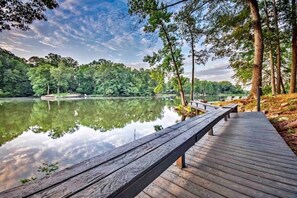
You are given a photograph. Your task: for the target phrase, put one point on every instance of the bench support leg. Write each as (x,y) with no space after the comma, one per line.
(181,161)
(210,132)
(228,115)
(225,118)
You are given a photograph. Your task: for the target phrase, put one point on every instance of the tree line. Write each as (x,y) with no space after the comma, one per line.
(55,74)
(202,87)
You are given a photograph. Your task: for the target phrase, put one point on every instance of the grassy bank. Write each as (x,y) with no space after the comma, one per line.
(281,110)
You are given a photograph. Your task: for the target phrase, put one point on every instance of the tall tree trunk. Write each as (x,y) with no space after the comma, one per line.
(58,90)
(48,89)
(180,85)
(270,52)
(278,51)
(272,72)
(294,49)
(193,67)
(258,45)
(283,86)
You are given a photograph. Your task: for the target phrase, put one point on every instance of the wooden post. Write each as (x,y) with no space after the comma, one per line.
(181,161)
(235,110)
(210,132)
(258,99)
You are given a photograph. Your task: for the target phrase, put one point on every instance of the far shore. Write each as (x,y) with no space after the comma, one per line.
(29,98)
(61,97)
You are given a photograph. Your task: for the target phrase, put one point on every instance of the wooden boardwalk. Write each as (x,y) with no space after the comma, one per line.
(246,157)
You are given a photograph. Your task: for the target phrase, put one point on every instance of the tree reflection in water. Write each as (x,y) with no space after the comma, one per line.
(64,117)
(71,131)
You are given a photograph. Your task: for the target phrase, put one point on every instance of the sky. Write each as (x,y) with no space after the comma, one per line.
(90,30)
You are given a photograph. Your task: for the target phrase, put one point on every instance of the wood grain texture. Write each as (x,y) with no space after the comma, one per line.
(245,157)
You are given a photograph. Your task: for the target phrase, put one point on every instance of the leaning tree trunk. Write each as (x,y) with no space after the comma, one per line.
(278,51)
(180,85)
(258,46)
(294,49)
(193,67)
(283,86)
(272,72)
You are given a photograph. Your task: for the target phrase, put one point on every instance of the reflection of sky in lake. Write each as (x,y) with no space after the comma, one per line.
(21,157)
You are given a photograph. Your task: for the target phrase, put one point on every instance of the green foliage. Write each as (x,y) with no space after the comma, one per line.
(114,79)
(19,14)
(47,168)
(62,77)
(158,127)
(41,79)
(203,87)
(23,181)
(13,75)
(85,79)
(55,74)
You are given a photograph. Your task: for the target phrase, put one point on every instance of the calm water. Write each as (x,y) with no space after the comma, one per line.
(33,132)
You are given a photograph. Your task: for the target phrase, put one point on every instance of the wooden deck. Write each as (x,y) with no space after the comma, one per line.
(246,157)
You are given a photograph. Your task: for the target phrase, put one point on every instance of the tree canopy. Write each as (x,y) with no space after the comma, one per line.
(55,74)
(19,14)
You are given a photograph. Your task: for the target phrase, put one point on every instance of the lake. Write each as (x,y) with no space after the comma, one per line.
(38,137)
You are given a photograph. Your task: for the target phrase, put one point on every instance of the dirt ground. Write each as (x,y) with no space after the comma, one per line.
(281,110)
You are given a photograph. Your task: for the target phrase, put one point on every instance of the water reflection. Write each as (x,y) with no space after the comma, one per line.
(59,118)
(35,132)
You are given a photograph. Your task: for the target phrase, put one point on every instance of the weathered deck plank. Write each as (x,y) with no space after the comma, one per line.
(245,157)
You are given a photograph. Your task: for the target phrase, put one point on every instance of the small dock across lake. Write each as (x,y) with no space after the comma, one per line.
(243,156)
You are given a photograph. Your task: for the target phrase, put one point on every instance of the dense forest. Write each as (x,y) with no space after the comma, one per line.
(55,74)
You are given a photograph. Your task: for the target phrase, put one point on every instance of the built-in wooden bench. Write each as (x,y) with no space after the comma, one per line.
(126,170)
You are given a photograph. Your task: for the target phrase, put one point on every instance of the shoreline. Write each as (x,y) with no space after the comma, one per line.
(82,98)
